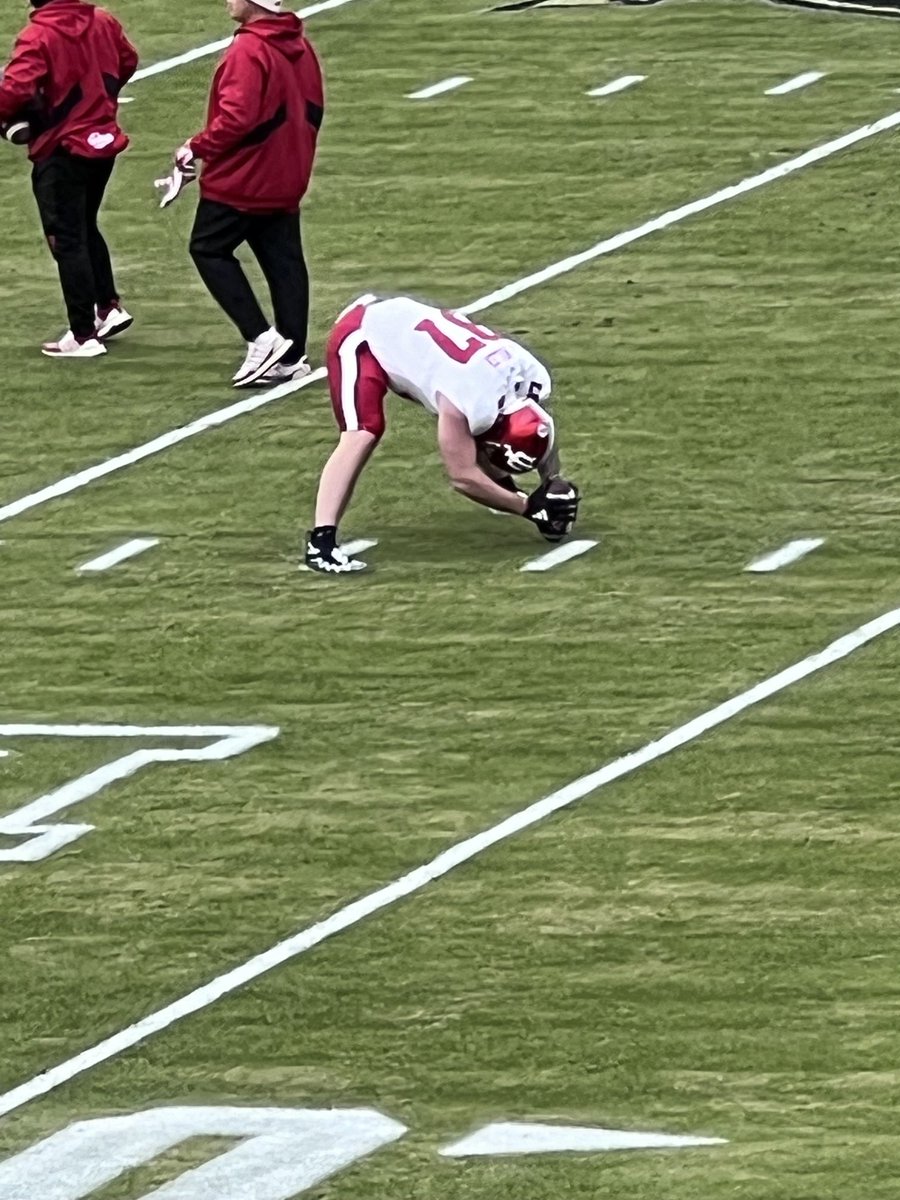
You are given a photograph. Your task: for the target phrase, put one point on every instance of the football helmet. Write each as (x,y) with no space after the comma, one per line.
(520,438)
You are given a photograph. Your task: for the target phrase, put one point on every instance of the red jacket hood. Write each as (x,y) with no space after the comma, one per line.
(283,33)
(72,18)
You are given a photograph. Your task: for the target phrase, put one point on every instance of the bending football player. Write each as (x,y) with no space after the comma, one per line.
(486,391)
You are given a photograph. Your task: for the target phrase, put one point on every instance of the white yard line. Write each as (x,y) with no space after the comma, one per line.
(80,479)
(113,557)
(415,881)
(617,85)
(180,60)
(559,554)
(438,89)
(793,85)
(675,215)
(785,556)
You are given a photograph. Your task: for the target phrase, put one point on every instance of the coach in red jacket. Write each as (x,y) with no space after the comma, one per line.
(257,151)
(64,78)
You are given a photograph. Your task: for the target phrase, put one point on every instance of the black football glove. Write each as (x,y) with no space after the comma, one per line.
(555,512)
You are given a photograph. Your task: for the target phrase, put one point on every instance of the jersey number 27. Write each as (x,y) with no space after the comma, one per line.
(447,336)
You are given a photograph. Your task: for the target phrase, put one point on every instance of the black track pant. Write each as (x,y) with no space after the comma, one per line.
(274,239)
(69,192)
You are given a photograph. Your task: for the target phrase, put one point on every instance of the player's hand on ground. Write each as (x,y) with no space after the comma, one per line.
(553,509)
(323,554)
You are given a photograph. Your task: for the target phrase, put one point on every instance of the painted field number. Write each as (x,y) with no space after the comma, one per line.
(280,1152)
(34,839)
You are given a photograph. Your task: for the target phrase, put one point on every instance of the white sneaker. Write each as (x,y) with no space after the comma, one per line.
(69,346)
(285,373)
(117,320)
(268,349)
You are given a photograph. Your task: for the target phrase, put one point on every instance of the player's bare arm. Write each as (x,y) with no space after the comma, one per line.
(459,453)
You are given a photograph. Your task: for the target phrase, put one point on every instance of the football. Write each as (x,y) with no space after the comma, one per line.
(25,125)
(560,487)
(17,130)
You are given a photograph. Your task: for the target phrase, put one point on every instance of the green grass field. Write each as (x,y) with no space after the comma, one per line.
(705,947)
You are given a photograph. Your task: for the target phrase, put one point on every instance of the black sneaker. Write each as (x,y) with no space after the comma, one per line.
(325,555)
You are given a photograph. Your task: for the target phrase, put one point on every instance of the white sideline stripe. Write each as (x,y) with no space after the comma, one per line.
(559,554)
(617,85)
(127,550)
(786,555)
(793,85)
(351,914)
(438,89)
(751,183)
(72,482)
(180,60)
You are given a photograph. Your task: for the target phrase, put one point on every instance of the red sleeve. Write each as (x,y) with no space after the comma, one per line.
(235,104)
(128,58)
(24,75)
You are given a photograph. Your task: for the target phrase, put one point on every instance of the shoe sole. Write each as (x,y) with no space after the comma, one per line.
(275,357)
(274,380)
(116,330)
(64,354)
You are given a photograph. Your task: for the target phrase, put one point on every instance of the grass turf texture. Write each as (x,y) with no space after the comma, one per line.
(704,948)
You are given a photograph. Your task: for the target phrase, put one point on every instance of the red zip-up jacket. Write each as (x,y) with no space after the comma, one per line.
(265,111)
(66,71)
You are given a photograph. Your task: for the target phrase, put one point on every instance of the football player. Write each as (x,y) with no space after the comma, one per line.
(486,391)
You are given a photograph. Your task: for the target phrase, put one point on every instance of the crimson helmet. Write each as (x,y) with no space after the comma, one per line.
(520,438)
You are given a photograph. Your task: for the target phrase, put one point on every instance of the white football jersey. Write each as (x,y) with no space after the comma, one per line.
(427,351)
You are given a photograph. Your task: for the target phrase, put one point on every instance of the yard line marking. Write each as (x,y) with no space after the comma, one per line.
(793,85)
(438,89)
(73,482)
(559,554)
(351,914)
(126,99)
(786,555)
(750,184)
(617,85)
(180,60)
(127,550)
